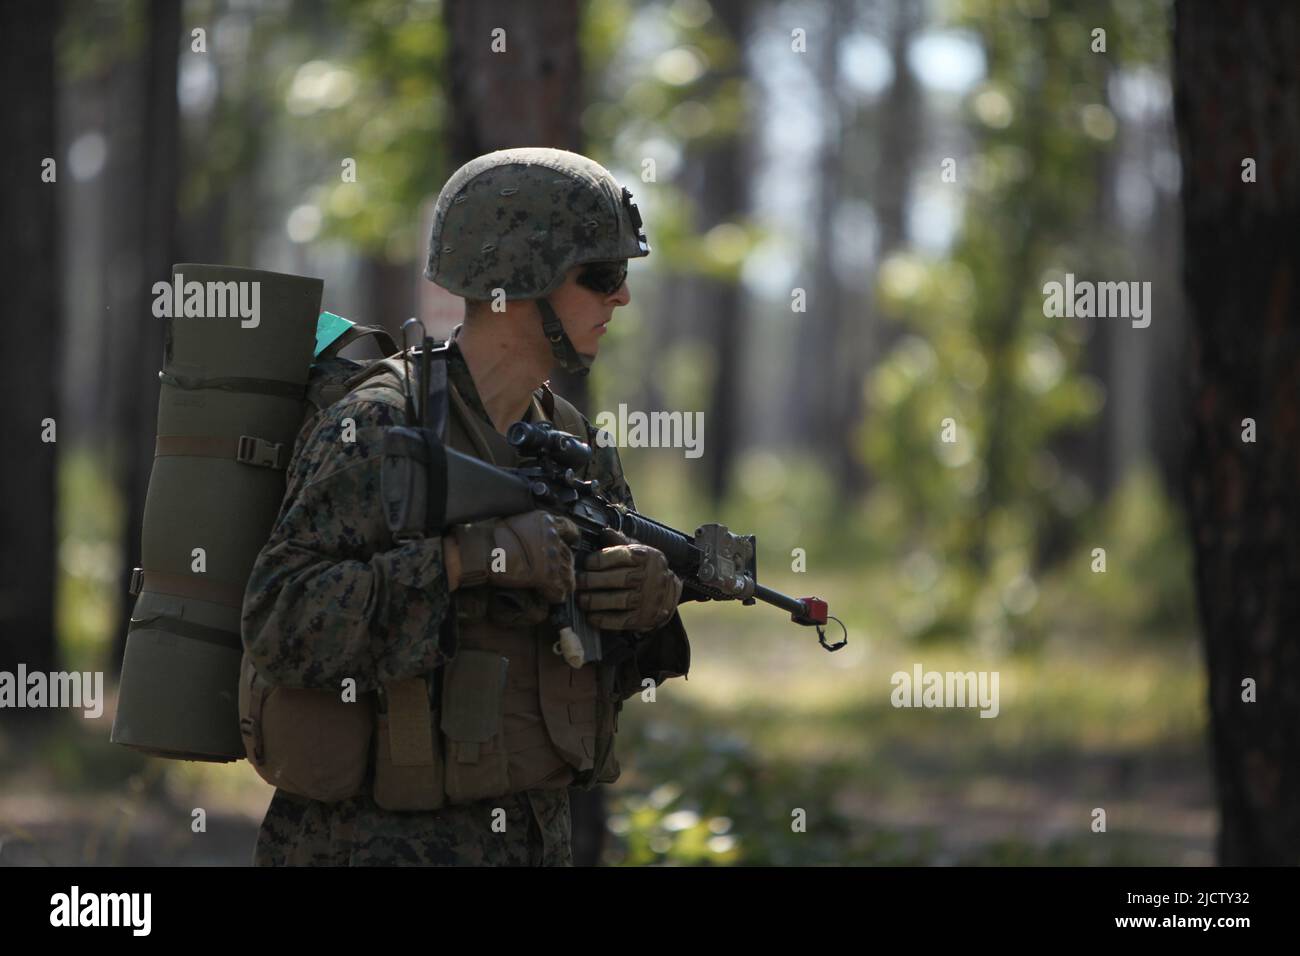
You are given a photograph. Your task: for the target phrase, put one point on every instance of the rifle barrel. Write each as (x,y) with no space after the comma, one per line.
(682,554)
(777,599)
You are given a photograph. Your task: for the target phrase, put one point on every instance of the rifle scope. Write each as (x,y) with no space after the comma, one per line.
(544,441)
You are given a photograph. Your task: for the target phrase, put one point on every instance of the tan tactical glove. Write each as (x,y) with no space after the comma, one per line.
(628,587)
(535,554)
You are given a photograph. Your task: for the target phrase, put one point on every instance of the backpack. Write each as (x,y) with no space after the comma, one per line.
(230,405)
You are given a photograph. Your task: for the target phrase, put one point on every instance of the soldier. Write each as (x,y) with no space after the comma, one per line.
(332,596)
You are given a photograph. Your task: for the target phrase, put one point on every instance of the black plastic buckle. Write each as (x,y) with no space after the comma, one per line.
(258,452)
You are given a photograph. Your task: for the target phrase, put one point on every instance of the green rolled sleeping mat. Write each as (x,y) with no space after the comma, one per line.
(232,399)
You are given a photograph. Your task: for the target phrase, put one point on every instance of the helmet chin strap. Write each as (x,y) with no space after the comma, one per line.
(566,356)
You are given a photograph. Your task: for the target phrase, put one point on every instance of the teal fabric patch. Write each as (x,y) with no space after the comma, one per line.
(328,328)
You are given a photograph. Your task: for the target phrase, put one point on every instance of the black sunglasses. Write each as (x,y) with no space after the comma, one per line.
(604,277)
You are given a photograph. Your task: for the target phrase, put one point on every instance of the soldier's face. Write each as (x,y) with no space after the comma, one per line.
(586,313)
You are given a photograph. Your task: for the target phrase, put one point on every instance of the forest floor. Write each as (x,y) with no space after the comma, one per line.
(773,752)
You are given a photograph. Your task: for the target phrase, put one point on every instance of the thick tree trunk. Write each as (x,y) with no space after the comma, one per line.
(28,257)
(1237,73)
(529,94)
(147,174)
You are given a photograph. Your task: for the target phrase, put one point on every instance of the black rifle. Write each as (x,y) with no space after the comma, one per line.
(429,487)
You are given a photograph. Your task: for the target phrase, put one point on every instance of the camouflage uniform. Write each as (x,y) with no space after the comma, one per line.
(330,597)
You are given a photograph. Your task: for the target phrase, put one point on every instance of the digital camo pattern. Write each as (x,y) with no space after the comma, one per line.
(518,219)
(537,831)
(330,597)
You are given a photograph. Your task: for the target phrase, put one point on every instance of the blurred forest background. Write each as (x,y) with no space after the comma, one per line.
(760,170)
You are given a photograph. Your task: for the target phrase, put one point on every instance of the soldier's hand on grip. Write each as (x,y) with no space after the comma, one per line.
(535,554)
(628,587)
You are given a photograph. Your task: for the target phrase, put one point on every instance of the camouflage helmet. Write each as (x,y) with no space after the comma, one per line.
(519,219)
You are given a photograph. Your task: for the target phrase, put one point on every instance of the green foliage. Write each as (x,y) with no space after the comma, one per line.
(664,71)
(664,81)
(740,810)
(90,526)
(977,353)
(376,98)
(1147,585)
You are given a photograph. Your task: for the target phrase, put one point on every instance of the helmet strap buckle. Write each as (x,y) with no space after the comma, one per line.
(566,356)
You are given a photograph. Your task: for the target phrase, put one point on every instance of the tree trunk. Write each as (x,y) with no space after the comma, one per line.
(821,337)
(899,144)
(28,256)
(1167,382)
(1237,82)
(147,173)
(724,197)
(529,94)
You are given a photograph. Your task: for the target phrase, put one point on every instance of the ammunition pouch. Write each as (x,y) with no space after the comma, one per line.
(308,742)
(472,722)
(408,749)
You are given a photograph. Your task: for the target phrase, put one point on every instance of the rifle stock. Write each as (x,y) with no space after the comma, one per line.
(477,490)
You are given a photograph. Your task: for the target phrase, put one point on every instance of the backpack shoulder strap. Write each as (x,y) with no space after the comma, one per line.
(328,381)
(355,334)
(435,393)
(335,333)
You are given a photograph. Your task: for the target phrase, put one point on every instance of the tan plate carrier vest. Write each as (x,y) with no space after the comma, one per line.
(506,714)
